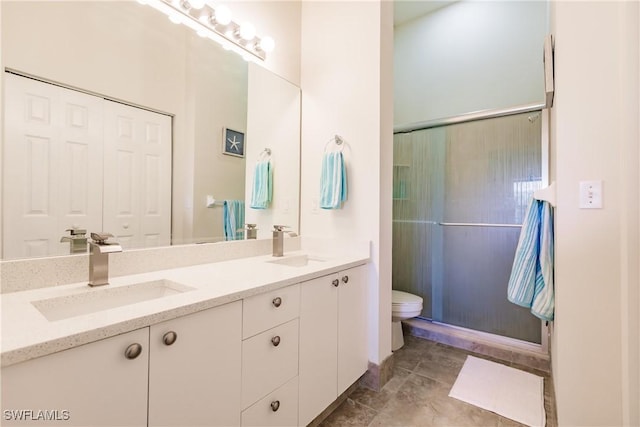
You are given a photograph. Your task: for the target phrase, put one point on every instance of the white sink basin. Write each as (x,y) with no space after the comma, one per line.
(297,260)
(94,300)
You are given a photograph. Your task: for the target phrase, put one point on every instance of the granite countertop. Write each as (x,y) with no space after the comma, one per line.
(27,334)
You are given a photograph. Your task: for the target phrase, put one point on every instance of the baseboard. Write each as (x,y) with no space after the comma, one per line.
(519,353)
(378,375)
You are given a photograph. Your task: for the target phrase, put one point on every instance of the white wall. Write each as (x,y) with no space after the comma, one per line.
(594,126)
(467,57)
(273,117)
(346,90)
(217,90)
(280,20)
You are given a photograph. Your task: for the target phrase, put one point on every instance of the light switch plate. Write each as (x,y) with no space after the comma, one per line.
(590,194)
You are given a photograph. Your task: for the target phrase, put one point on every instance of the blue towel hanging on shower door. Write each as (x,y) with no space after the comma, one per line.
(531,281)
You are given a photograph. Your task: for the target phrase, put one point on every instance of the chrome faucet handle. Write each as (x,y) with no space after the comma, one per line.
(280,227)
(101,238)
(76,231)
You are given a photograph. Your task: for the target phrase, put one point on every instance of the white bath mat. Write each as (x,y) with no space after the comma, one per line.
(509,392)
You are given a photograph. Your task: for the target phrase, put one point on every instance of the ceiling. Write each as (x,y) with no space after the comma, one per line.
(406,10)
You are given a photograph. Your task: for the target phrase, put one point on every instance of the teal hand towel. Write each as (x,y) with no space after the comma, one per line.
(233,219)
(262,192)
(531,281)
(333,181)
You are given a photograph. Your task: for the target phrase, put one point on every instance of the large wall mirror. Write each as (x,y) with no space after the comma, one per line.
(106,72)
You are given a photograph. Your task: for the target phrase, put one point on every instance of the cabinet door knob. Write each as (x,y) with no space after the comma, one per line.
(277,302)
(275,405)
(345,279)
(133,351)
(335,282)
(169,338)
(275,341)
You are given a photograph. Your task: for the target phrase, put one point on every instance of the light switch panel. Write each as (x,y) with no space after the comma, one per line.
(590,194)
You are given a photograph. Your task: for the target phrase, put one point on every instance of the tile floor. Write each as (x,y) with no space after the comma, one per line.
(417,395)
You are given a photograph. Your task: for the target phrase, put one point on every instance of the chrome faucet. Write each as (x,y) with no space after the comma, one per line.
(77,240)
(278,239)
(252,231)
(99,258)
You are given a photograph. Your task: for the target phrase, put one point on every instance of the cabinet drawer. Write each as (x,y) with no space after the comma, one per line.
(262,312)
(279,408)
(265,365)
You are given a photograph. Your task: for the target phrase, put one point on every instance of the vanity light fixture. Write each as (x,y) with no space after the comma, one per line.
(216,24)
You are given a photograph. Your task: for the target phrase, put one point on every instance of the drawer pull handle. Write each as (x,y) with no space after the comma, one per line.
(275,341)
(277,302)
(345,279)
(133,351)
(169,338)
(275,405)
(335,282)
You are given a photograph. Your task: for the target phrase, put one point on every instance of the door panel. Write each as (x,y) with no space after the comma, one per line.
(137,186)
(52,166)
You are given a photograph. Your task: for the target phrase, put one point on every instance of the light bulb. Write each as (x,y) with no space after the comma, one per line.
(267,44)
(223,15)
(205,18)
(196,4)
(247,31)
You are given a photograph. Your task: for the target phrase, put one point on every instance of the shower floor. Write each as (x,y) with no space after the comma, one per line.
(417,395)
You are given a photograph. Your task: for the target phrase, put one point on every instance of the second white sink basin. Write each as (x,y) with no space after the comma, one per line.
(297,260)
(94,300)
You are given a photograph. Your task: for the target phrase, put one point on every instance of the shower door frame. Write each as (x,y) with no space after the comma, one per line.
(545,175)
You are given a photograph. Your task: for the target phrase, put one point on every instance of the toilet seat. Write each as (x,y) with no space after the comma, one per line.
(404,299)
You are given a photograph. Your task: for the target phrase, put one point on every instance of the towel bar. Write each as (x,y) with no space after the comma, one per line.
(477,224)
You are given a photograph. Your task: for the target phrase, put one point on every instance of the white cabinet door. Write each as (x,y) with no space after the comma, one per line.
(352,327)
(195,381)
(318,346)
(333,338)
(90,385)
(52,166)
(137,176)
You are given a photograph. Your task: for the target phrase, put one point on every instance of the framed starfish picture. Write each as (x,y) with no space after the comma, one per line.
(232,142)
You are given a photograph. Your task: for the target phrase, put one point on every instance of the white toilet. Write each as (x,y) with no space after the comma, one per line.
(404,306)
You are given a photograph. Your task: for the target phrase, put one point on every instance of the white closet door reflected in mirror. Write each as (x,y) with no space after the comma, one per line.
(56,177)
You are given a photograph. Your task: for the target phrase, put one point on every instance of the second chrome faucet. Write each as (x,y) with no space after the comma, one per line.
(278,239)
(99,258)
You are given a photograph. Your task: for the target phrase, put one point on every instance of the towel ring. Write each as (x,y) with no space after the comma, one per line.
(264,154)
(337,140)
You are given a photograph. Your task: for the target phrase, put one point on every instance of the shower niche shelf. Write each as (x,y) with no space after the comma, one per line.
(400,182)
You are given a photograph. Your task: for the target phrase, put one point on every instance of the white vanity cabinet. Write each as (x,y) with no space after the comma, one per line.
(182,372)
(270,358)
(333,338)
(99,384)
(194,369)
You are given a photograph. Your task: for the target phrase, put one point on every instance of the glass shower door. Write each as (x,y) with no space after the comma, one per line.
(460,194)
